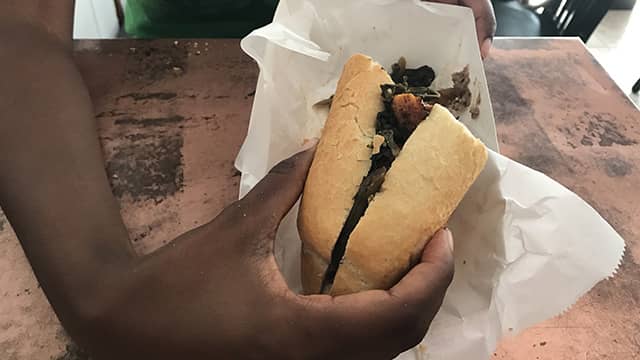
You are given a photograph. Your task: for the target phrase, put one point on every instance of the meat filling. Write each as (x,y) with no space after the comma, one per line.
(407,102)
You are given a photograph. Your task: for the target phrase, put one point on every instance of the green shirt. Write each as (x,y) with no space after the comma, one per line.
(196,18)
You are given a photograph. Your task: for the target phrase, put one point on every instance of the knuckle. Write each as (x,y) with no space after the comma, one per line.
(493,25)
(448,272)
(491,21)
(443,271)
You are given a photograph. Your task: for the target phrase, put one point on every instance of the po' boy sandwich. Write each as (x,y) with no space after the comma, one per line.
(391,166)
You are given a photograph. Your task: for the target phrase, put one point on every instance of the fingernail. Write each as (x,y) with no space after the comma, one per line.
(309,144)
(485,49)
(449,237)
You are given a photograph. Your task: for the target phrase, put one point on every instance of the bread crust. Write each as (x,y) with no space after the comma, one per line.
(313,270)
(342,159)
(425,184)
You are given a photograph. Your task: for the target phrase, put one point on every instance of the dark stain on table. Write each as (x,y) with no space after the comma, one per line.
(512,106)
(110,113)
(147,167)
(141,234)
(541,162)
(610,290)
(541,77)
(136,96)
(150,63)
(601,128)
(598,128)
(537,151)
(212,121)
(73,352)
(145,122)
(616,167)
(3,221)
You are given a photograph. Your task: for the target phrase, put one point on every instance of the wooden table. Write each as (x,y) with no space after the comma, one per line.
(173,115)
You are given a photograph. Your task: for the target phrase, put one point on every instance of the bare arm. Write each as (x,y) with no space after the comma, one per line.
(216,292)
(52,17)
(53,186)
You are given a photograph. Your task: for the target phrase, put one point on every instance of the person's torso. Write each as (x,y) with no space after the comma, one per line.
(196,18)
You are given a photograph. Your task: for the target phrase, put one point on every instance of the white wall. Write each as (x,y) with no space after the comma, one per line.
(95,19)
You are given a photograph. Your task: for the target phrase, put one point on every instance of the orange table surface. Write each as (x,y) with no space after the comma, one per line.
(172,117)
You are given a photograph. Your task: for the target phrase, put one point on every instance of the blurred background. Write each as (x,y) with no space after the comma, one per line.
(610,28)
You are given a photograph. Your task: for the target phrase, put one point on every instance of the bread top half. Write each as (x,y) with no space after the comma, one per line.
(425,184)
(342,157)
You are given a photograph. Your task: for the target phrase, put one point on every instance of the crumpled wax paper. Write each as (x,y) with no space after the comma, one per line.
(526,248)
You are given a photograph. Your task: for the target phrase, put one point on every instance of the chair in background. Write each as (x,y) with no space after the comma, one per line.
(516,19)
(572,17)
(551,18)
(623,4)
(120,11)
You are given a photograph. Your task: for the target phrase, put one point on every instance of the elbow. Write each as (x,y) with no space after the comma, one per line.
(91,309)
(85,314)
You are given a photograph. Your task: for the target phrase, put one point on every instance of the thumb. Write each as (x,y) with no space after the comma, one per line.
(485,23)
(272,198)
(432,275)
(387,322)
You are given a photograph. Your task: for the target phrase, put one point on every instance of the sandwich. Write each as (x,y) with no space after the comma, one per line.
(391,166)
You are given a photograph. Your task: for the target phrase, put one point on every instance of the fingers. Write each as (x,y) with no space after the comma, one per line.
(388,322)
(272,198)
(432,275)
(485,23)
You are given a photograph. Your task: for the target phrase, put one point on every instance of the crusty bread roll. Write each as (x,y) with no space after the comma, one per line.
(342,159)
(424,185)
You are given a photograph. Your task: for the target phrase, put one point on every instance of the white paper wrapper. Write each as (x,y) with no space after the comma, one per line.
(526,248)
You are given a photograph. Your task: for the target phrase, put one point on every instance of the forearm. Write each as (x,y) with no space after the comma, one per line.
(54,17)
(53,187)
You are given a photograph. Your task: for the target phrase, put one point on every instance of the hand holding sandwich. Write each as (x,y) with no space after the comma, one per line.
(258,305)
(231,300)
(214,292)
